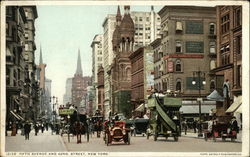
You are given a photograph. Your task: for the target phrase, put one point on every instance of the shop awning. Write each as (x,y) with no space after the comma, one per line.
(215,96)
(15,115)
(235,105)
(194,109)
(140,108)
(239,110)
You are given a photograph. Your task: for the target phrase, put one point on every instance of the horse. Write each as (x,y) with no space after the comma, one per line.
(78,128)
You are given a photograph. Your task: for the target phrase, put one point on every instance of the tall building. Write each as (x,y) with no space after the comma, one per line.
(147,29)
(108,29)
(47,96)
(79,84)
(188,38)
(97,61)
(16,69)
(123,45)
(142,79)
(30,48)
(100,90)
(228,71)
(67,97)
(20,66)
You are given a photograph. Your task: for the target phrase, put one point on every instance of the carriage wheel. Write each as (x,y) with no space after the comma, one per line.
(107,140)
(175,138)
(223,138)
(155,137)
(233,139)
(205,137)
(68,137)
(87,136)
(128,142)
(147,135)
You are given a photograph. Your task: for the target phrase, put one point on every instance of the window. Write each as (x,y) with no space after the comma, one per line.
(212,28)
(140,18)
(238,44)
(99,58)
(225,24)
(238,17)
(212,64)
(212,85)
(178,47)
(136,19)
(179,27)
(147,18)
(26,35)
(7,29)
(239,75)
(26,47)
(140,33)
(178,85)
(212,47)
(178,66)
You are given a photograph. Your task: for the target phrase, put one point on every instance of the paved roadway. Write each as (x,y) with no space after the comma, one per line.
(54,143)
(141,144)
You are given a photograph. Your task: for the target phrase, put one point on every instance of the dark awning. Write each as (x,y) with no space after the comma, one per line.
(215,96)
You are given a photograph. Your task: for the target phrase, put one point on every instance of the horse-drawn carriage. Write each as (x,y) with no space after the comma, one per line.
(97,122)
(76,124)
(116,132)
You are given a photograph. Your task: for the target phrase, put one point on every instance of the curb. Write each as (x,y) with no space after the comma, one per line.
(64,145)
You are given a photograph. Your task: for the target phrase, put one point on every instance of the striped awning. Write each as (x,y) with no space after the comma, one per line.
(235,105)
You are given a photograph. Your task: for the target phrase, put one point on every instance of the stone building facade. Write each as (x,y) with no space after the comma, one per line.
(79,84)
(97,61)
(100,90)
(21,87)
(67,96)
(142,79)
(229,55)
(123,45)
(188,42)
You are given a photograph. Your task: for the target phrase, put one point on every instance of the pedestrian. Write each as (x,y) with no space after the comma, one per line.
(42,127)
(46,126)
(13,133)
(185,126)
(194,125)
(36,128)
(22,128)
(27,129)
(234,125)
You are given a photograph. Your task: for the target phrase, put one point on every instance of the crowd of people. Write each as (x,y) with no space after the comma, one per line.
(27,126)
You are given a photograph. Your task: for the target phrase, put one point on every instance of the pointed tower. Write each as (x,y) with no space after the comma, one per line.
(116,33)
(79,65)
(41,57)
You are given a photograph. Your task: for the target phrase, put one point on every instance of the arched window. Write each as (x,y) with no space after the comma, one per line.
(178,85)
(178,66)
(212,28)
(212,64)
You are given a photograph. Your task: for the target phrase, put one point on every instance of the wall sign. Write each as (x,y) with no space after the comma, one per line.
(194,47)
(194,27)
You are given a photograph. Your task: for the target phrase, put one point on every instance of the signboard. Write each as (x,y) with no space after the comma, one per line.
(170,66)
(66,111)
(194,27)
(194,47)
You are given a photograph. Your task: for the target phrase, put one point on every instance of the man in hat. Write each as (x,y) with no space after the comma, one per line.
(27,130)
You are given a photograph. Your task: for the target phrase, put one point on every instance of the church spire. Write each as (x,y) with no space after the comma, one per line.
(41,57)
(79,64)
(118,15)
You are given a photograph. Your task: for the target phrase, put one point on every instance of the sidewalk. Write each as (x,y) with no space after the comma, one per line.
(195,135)
(43,142)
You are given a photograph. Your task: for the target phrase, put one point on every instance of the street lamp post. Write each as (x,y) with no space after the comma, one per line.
(198,74)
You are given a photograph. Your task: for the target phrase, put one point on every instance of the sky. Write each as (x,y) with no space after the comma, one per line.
(61,31)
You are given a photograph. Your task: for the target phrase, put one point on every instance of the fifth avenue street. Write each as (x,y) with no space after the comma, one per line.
(45,142)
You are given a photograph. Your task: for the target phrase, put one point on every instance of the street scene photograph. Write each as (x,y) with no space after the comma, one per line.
(103,79)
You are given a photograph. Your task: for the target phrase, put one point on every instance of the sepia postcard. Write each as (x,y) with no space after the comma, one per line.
(124,78)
